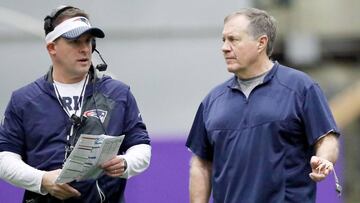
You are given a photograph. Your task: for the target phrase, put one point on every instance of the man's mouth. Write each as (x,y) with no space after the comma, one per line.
(83,60)
(230,58)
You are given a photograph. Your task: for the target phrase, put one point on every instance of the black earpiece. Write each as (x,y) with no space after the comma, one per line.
(49,19)
(93,45)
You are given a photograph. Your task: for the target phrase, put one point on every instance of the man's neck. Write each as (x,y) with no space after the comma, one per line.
(62,77)
(256,69)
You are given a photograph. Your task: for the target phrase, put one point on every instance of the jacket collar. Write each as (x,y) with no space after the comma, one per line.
(233,83)
(46,82)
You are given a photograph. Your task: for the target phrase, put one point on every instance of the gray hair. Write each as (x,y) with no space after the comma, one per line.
(261,23)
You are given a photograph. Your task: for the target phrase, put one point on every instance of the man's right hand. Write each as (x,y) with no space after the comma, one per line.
(60,191)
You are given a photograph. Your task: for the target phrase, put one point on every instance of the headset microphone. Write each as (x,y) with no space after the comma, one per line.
(75,120)
(103,66)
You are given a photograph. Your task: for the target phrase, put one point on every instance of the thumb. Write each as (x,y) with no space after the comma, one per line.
(314,161)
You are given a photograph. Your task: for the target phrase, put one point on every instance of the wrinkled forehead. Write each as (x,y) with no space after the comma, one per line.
(236,24)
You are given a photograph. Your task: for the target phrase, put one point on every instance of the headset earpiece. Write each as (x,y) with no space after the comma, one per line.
(49,19)
(47,25)
(93,44)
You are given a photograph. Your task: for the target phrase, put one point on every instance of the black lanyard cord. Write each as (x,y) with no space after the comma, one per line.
(81,98)
(75,120)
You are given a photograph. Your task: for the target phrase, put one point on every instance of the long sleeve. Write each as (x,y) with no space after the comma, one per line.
(137,158)
(15,171)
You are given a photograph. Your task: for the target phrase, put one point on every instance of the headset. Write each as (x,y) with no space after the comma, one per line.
(49,26)
(78,121)
(102,66)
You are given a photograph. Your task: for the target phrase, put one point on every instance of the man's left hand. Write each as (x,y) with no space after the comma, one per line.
(320,168)
(115,167)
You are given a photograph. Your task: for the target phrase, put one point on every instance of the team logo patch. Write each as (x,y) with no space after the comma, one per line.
(97,113)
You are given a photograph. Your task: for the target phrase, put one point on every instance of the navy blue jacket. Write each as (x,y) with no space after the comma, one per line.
(35,127)
(261,146)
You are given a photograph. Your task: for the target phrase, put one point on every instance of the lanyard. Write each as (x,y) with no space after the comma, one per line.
(74,118)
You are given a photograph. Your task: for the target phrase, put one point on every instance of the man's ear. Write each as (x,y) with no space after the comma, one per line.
(51,48)
(262,42)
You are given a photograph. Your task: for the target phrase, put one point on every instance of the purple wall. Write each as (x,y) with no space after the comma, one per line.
(166,180)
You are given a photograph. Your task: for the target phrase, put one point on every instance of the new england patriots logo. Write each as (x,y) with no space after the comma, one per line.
(97,113)
(83,19)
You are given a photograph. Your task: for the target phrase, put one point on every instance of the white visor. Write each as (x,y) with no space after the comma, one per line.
(73,28)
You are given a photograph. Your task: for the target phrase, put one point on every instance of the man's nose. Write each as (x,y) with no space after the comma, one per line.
(85,46)
(226,46)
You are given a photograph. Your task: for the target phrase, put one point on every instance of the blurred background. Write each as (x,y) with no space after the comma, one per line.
(169,53)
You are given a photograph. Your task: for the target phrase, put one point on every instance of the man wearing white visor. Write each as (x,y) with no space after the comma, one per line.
(44,120)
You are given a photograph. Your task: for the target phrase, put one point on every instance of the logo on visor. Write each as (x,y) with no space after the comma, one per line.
(97,113)
(83,19)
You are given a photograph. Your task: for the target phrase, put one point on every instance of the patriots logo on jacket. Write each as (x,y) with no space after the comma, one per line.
(97,113)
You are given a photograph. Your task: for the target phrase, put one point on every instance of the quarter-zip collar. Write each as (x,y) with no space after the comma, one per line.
(233,83)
